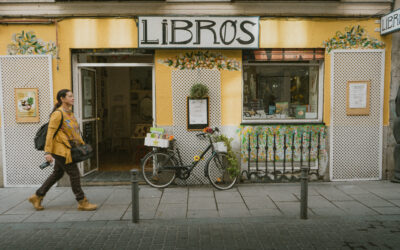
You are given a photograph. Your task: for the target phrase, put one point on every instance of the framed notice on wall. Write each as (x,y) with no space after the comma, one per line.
(27,105)
(358,95)
(197,113)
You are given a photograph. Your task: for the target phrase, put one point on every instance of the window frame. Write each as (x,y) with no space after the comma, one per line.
(319,118)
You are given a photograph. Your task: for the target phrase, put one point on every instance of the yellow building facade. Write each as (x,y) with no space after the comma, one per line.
(71,36)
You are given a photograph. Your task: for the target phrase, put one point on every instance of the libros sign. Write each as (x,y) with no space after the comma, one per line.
(390,23)
(198,32)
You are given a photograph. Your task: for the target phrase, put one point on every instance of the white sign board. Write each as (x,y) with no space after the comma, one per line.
(198,111)
(390,23)
(198,32)
(358,95)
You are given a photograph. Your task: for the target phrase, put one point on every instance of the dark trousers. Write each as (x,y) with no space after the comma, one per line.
(59,168)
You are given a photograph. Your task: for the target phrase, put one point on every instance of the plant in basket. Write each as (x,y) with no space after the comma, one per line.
(233,162)
(198,91)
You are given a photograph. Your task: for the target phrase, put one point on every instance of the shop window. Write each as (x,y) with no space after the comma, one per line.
(285,91)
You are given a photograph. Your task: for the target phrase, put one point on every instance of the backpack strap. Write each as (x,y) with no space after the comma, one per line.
(59,127)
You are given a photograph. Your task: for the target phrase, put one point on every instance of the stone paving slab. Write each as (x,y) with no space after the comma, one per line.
(354,208)
(388,210)
(333,194)
(265,212)
(395,202)
(282,200)
(259,202)
(202,203)
(228,197)
(320,202)
(5,218)
(290,208)
(201,192)
(372,200)
(171,211)
(202,214)
(352,189)
(386,193)
(174,198)
(233,210)
(281,196)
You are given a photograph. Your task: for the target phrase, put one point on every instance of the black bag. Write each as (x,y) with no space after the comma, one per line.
(81,152)
(40,137)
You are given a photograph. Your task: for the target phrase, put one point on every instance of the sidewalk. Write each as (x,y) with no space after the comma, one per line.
(249,200)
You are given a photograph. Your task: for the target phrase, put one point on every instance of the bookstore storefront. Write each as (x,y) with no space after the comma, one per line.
(275,85)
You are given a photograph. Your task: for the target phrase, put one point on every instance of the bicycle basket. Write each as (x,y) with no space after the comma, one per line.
(220,147)
(156,142)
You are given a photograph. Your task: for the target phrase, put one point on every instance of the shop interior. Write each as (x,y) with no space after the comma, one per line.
(280,92)
(124,110)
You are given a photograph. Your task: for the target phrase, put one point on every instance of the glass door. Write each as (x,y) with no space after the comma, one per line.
(88,116)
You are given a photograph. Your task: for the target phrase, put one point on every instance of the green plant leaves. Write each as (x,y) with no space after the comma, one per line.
(28,43)
(354,37)
(234,169)
(202,59)
(198,91)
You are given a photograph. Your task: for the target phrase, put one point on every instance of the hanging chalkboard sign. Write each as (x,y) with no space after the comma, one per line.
(197,113)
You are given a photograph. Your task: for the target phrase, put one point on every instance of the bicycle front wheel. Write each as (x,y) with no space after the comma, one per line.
(218,172)
(156,169)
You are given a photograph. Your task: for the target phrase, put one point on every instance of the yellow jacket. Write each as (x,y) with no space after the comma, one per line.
(60,144)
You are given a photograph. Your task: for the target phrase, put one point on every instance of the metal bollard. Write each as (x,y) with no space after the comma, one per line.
(304,193)
(135,195)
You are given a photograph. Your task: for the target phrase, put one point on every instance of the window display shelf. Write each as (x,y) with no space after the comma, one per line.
(282,93)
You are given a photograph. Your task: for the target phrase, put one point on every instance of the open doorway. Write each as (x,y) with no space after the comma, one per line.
(114,100)
(125,113)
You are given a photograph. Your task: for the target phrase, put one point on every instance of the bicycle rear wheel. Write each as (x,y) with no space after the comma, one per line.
(154,171)
(218,172)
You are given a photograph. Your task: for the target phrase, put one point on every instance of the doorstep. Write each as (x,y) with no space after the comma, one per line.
(112,178)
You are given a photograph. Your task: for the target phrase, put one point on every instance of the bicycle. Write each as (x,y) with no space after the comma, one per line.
(161,166)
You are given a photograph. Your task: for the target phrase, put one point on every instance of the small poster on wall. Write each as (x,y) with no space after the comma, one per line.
(357,98)
(26,104)
(197,113)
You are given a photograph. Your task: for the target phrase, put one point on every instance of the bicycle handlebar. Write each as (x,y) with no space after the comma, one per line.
(205,134)
(201,135)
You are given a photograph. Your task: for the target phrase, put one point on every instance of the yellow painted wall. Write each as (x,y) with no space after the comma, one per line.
(77,33)
(86,33)
(122,33)
(310,33)
(231,89)
(44,32)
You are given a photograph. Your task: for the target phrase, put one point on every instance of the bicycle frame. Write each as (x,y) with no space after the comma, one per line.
(190,167)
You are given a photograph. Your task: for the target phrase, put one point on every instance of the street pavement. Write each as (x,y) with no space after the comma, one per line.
(342,215)
(351,232)
(246,200)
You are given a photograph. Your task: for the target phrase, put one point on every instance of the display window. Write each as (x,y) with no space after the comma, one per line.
(285,91)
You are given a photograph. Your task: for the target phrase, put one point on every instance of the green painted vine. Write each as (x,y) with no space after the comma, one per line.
(27,43)
(202,60)
(354,37)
